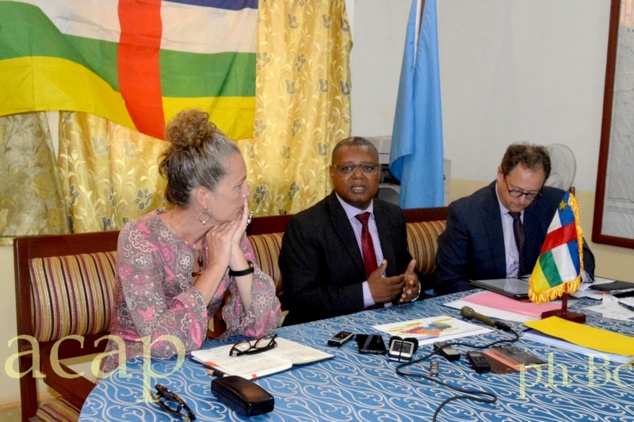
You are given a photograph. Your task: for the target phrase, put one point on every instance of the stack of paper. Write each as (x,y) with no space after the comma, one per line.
(499,306)
(505,303)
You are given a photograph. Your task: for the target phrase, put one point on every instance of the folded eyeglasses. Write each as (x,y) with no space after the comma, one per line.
(260,345)
(172,403)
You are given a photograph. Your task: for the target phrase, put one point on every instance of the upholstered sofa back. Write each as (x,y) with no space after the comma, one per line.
(72,294)
(424,225)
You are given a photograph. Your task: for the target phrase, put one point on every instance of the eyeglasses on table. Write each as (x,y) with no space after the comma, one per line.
(172,403)
(260,345)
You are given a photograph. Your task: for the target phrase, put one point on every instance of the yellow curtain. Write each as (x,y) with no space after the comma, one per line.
(302,102)
(31,198)
(110,173)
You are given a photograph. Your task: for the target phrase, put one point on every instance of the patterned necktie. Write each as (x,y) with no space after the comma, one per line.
(367,247)
(518,231)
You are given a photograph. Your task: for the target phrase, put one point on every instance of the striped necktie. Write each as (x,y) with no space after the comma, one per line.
(518,231)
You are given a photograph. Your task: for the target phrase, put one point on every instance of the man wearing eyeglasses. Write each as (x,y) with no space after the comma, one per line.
(480,240)
(349,251)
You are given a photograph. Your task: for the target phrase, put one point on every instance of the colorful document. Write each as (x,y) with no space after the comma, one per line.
(430,330)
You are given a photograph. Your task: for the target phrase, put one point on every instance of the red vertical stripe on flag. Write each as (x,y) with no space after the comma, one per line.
(138,62)
(558,237)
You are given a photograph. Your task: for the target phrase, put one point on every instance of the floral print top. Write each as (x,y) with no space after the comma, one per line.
(159,310)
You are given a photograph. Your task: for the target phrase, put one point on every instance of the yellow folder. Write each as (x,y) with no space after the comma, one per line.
(585,336)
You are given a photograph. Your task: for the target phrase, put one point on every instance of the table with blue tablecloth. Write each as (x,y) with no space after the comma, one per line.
(365,387)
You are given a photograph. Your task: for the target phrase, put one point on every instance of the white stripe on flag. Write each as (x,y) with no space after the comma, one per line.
(198,29)
(555,223)
(565,266)
(194,29)
(95,19)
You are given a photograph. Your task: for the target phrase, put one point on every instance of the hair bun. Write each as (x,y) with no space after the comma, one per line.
(190,128)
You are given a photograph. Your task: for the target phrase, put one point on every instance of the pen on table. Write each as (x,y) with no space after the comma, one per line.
(626,306)
(217,373)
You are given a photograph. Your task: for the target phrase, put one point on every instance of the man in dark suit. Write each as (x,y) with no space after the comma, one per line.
(479,241)
(324,273)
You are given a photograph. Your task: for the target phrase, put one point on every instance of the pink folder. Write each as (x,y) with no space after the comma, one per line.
(505,303)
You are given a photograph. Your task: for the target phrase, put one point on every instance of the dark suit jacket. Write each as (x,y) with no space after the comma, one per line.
(322,266)
(472,245)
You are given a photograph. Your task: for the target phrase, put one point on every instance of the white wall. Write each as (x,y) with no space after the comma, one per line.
(510,71)
(378,34)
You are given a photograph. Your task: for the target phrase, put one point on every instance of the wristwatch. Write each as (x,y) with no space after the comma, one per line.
(241,273)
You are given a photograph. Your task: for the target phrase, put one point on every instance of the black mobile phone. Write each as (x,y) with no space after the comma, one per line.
(479,362)
(340,338)
(447,351)
(371,343)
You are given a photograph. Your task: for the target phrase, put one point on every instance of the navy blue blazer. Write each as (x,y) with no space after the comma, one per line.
(472,245)
(322,266)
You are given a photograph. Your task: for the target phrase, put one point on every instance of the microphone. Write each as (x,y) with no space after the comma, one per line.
(469,313)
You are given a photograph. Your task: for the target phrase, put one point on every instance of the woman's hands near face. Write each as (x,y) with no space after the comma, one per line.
(243,222)
(224,241)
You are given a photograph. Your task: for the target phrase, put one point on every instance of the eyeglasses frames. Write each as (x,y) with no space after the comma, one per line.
(515,193)
(260,345)
(172,403)
(366,168)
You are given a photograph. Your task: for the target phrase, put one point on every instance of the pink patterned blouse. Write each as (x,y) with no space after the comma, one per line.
(159,310)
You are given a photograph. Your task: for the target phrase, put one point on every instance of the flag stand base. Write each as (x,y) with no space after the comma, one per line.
(570,316)
(564,313)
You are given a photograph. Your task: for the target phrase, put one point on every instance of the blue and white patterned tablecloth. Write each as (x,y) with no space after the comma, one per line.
(356,387)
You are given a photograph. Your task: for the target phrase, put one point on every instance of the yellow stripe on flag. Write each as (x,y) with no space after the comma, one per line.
(47,83)
(233,115)
(539,283)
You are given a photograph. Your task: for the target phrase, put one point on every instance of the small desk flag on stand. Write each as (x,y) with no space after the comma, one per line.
(560,264)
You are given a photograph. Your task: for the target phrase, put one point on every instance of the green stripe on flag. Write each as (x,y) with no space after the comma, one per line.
(549,268)
(221,75)
(101,56)
(26,31)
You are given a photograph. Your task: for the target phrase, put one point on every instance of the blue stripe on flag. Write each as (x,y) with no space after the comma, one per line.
(566,215)
(573,247)
(220,4)
(416,156)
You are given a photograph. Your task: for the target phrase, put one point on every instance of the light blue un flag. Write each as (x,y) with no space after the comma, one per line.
(416,156)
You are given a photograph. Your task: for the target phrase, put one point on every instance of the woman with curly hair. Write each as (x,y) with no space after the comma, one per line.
(174,267)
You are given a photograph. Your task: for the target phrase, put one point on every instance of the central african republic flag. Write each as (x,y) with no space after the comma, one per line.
(136,63)
(560,263)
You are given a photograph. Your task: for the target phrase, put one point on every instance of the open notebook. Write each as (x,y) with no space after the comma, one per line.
(281,358)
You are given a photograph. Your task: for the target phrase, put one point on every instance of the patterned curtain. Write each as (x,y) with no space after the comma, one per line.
(302,102)
(110,173)
(31,198)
